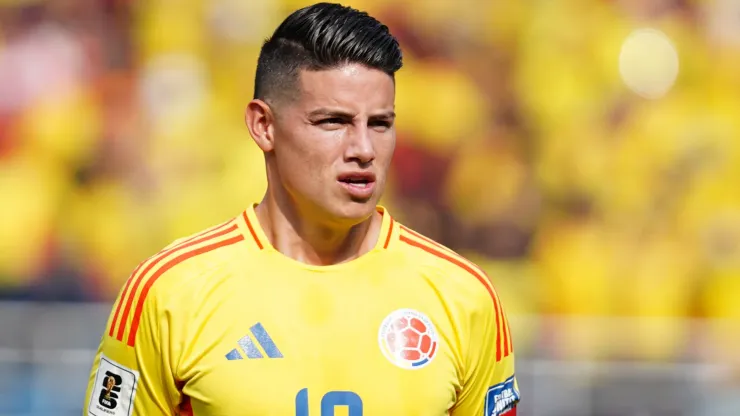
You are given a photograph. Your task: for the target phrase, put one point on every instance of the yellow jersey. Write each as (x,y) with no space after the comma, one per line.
(221,323)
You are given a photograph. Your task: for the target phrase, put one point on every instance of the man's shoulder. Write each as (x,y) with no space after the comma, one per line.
(428,252)
(197,256)
(450,268)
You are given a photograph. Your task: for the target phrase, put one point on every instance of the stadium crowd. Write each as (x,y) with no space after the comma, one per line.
(519,146)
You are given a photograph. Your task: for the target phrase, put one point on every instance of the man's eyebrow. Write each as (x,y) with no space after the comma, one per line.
(327,112)
(384,115)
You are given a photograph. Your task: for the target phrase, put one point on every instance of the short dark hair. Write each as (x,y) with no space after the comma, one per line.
(323,36)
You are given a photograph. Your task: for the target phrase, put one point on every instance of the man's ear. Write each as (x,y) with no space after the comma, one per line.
(259,119)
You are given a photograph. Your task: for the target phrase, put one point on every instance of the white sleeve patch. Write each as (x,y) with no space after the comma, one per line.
(114,389)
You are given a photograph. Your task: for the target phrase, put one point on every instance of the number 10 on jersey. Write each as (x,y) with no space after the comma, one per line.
(329,401)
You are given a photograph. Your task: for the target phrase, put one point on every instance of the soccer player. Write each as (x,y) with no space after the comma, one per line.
(314,300)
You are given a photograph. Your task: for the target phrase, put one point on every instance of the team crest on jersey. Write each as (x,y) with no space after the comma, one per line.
(408,339)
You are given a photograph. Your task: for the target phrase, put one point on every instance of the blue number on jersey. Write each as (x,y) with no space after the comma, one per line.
(330,400)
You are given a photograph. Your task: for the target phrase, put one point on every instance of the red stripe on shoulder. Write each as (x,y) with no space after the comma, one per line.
(511,342)
(202,233)
(197,239)
(251,230)
(427,240)
(457,260)
(451,252)
(167,266)
(390,231)
(122,298)
(509,346)
(506,333)
(132,277)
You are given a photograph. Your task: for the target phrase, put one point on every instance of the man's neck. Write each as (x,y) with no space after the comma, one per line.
(307,239)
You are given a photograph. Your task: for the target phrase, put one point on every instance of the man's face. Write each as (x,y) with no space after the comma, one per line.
(334,142)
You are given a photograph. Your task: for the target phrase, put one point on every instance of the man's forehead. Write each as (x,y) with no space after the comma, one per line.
(346,85)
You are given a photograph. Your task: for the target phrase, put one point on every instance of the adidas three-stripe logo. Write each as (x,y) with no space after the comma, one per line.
(247,345)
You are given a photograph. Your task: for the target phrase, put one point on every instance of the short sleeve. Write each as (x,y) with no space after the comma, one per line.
(131,375)
(489,387)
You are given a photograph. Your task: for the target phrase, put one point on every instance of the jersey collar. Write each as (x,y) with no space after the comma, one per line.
(253,232)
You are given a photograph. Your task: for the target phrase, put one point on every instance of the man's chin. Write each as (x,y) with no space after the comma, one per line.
(355,211)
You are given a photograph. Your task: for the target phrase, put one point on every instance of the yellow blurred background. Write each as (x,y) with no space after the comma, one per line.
(586,153)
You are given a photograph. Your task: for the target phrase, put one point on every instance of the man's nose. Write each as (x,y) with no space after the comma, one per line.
(360,146)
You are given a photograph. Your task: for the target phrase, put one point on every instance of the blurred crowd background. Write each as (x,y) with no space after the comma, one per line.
(586,153)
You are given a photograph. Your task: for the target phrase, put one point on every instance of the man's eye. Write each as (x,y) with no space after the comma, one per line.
(333,120)
(380,123)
